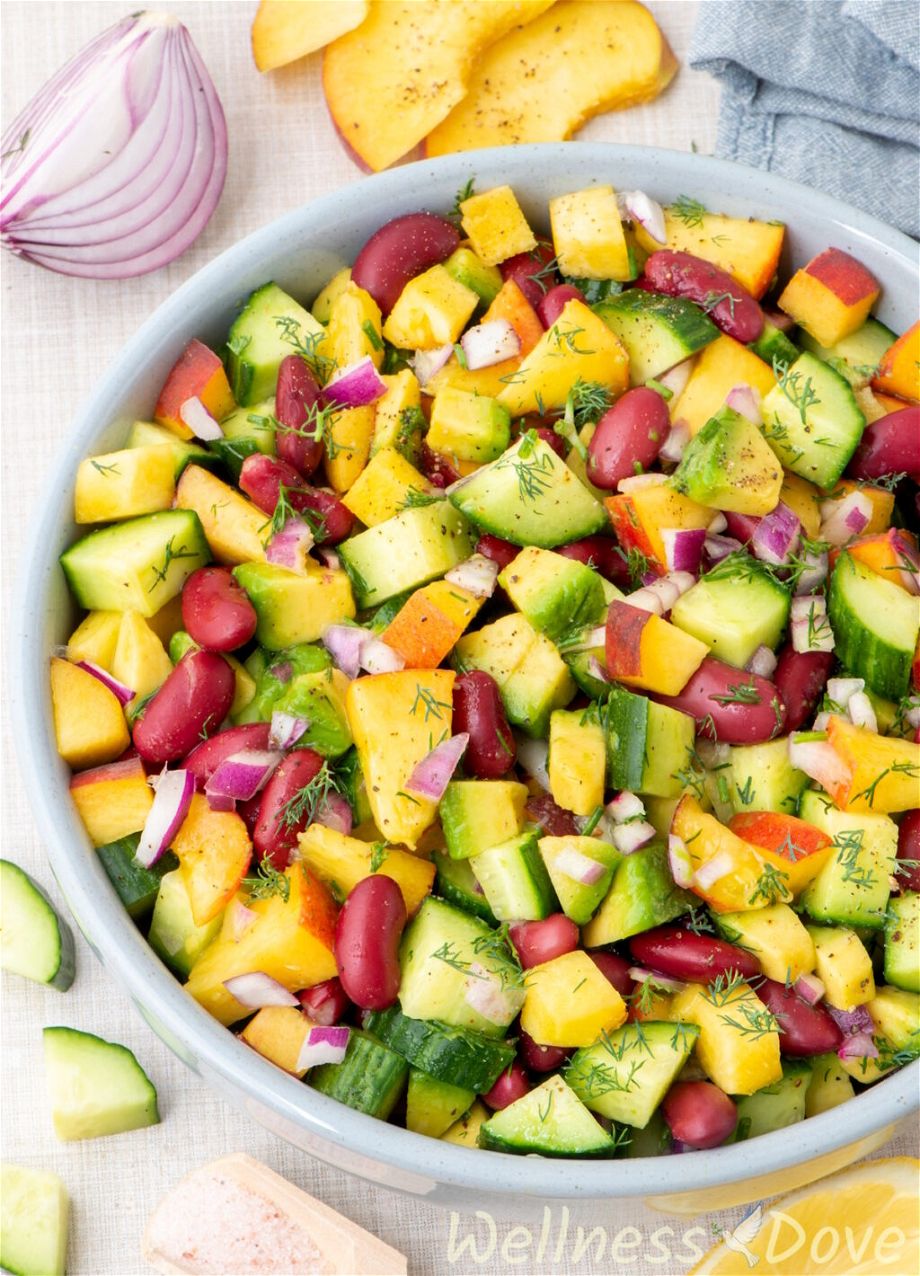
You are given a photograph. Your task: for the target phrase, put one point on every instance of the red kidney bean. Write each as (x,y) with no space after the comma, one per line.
(524,266)
(367,935)
(207,756)
(909,849)
(274,836)
(194,699)
(699,1114)
(296,394)
(615,969)
(540,1058)
(554,820)
(741,526)
(436,468)
(552,439)
(511,1085)
(326,1003)
(800,678)
(708,698)
(262,477)
(628,437)
(600,552)
(890,445)
(536,942)
(400,250)
(678,274)
(550,307)
(216,611)
(478,709)
(804,1030)
(685,955)
(501,552)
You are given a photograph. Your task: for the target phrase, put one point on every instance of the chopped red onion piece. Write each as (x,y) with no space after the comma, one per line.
(776,536)
(840,689)
(580,868)
(713,870)
(717,524)
(220,802)
(645,600)
(533,756)
(809,988)
(124,695)
(676,378)
(640,975)
(862,712)
(356,385)
(683,548)
(625,806)
(763,661)
(810,629)
(291,546)
(596,670)
(476,574)
(588,641)
(329,557)
(283,671)
(746,401)
(641,209)
(378,657)
(285,730)
(713,753)
(718,547)
(844,519)
(256,989)
(819,761)
(814,574)
(636,481)
(243,774)
(335,813)
(199,420)
(486,995)
(661,595)
(852,1021)
(680,861)
(674,446)
(172,797)
(631,837)
(427,363)
(238,919)
(432,775)
(344,643)
(323,1045)
(490,343)
(858,1046)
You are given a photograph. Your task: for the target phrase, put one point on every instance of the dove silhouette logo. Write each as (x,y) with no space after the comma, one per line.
(738,1239)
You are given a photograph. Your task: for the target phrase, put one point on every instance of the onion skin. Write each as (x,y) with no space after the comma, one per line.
(115,167)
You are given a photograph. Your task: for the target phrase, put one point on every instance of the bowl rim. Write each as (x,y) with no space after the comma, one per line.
(184,1025)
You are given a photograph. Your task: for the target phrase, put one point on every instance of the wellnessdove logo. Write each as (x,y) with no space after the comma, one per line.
(738,1239)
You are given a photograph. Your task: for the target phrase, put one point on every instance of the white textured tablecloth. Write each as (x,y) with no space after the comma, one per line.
(58,335)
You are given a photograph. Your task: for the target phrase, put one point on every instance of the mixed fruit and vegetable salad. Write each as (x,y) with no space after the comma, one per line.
(497,691)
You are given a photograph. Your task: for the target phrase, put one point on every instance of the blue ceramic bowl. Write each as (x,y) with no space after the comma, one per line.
(301,251)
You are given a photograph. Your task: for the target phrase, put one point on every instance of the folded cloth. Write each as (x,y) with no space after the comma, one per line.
(825,92)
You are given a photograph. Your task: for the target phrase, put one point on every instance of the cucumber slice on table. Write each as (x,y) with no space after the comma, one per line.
(96,1087)
(34,941)
(33,1222)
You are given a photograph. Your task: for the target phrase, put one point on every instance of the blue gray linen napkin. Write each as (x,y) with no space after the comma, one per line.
(826,92)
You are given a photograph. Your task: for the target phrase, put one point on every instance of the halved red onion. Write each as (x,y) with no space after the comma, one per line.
(427,363)
(713,870)
(858,1046)
(199,420)
(238,919)
(810,629)
(842,520)
(485,993)
(776,536)
(172,797)
(763,661)
(323,1045)
(683,548)
(291,546)
(746,401)
(124,695)
(580,868)
(533,756)
(285,730)
(255,989)
(490,343)
(632,836)
(636,481)
(676,378)
(640,975)
(810,988)
(641,209)
(862,712)
(818,759)
(432,775)
(625,806)
(680,861)
(674,446)
(117,164)
(344,643)
(356,385)
(718,547)
(476,574)
(334,812)
(378,657)
(243,774)
(814,574)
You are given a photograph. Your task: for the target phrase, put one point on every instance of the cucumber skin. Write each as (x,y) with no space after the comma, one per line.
(886,670)
(135,885)
(626,739)
(457,1056)
(370,1079)
(64,975)
(457,894)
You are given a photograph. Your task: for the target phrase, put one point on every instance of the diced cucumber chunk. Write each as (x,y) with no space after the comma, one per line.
(658,332)
(550,1121)
(626,1074)
(270,326)
(643,895)
(433,1106)
(902,942)
(775,1106)
(857,356)
(515,879)
(761,778)
(812,421)
(852,887)
(136,886)
(371,1078)
(405,551)
(33,1222)
(455,1056)
(649,746)
(34,941)
(173,932)
(458,885)
(876,624)
(96,1087)
(734,609)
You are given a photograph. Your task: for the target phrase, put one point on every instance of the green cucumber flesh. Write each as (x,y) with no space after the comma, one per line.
(649,745)
(734,611)
(550,1121)
(876,625)
(270,326)
(410,549)
(852,887)
(137,886)
(856,356)
(34,941)
(96,1087)
(514,878)
(33,1222)
(626,1074)
(812,420)
(458,885)
(775,1106)
(902,942)
(173,934)
(456,1056)
(658,332)
(371,1078)
(433,1106)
